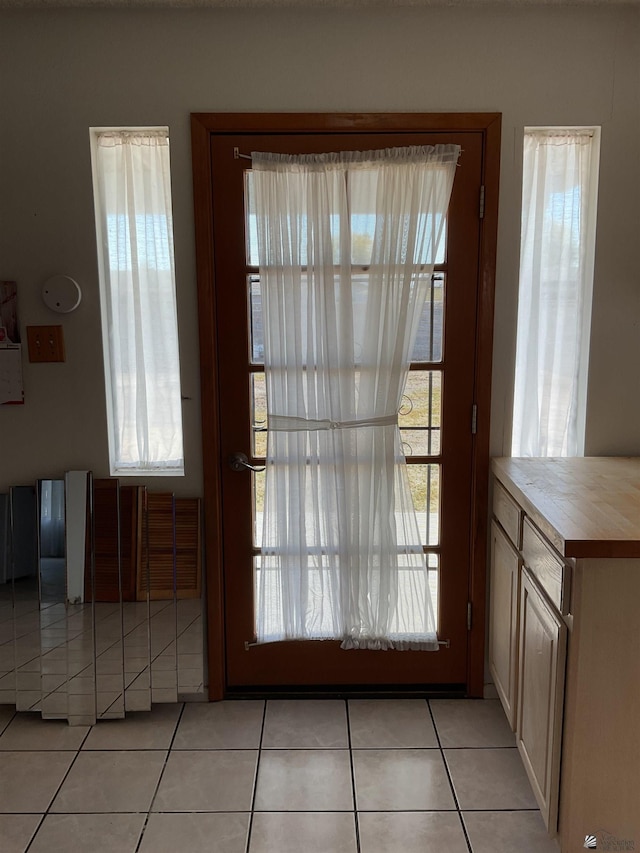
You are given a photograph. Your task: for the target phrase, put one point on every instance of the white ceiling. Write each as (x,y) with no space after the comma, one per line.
(191,4)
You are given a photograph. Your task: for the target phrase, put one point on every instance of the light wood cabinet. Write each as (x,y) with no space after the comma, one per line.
(564,639)
(503,619)
(527,643)
(541,669)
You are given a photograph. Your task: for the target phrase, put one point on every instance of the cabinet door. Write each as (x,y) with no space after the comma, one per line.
(503,620)
(541,671)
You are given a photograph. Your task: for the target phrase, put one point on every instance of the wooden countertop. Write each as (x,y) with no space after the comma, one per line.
(585,506)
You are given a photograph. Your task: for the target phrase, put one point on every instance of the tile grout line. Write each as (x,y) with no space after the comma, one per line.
(8,723)
(37,830)
(255,781)
(164,766)
(353,778)
(52,800)
(354,810)
(451,785)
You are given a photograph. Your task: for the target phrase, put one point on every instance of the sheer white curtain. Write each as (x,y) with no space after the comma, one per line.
(341,555)
(135,227)
(556,279)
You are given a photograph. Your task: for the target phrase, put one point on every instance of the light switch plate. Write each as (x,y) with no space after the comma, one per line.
(46,343)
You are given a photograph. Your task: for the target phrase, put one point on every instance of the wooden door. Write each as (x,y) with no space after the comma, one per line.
(440,441)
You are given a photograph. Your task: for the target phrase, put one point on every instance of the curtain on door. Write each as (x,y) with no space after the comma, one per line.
(341,556)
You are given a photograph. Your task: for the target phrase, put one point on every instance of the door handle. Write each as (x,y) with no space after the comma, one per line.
(239,461)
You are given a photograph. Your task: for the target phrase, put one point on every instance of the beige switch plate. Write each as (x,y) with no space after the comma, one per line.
(46,343)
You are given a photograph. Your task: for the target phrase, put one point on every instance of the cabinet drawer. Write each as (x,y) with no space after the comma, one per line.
(507,512)
(545,565)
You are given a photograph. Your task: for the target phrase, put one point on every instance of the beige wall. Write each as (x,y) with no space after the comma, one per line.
(64,71)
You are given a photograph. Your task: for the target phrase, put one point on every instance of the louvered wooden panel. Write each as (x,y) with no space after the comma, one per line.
(188,546)
(109,585)
(155,577)
(105,532)
(161,553)
(130,538)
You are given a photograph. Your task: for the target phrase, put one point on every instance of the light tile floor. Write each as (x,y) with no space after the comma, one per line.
(308,776)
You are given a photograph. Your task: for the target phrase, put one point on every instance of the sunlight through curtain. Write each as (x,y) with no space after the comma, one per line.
(341,556)
(138,296)
(559,194)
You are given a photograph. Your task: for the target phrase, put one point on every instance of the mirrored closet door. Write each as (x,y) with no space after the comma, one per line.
(100,598)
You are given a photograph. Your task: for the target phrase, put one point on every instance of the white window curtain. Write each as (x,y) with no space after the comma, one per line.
(135,228)
(560,169)
(341,556)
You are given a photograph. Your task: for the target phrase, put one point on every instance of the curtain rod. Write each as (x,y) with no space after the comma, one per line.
(238,155)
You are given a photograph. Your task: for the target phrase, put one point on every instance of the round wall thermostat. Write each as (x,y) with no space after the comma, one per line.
(61,293)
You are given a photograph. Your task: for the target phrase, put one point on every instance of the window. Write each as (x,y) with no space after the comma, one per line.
(559,195)
(134,226)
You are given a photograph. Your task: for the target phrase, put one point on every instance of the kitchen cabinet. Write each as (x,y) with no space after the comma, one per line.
(503,619)
(541,669)
(564,638)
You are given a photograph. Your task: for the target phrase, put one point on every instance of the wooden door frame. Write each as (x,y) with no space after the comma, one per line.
(203,127)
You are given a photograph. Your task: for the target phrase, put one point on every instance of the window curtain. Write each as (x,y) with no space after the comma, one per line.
(341,555)
(556,278)
(133,196)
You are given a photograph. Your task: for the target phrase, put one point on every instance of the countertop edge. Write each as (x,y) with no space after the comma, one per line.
(568,546)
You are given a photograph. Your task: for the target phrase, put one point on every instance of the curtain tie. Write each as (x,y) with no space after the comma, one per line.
(288,423)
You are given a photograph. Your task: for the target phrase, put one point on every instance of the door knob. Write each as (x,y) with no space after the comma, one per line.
(239,461)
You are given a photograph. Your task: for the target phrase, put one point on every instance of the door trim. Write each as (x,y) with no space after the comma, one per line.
(203,127)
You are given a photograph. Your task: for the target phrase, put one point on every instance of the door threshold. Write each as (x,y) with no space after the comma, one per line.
(351,691)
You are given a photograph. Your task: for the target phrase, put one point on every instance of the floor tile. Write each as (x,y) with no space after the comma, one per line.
(110,781)
(412,832)
(490,691)
(401,780)
(304,798)
(196,833)
(471,723)
(164,679)
(80,833)
(16,831)
(30,731)
(305,724)
(220,725)
(304,780)
(6,715)
(395,723)
(490,779)
(137,700)
(141,730)
(324,832)
(110,682)
(207,781)
(504,832)
(109,705)
(29,780)
(161,695)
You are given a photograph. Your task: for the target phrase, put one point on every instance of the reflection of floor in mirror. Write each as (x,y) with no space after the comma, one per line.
(53,579)
(141,653)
